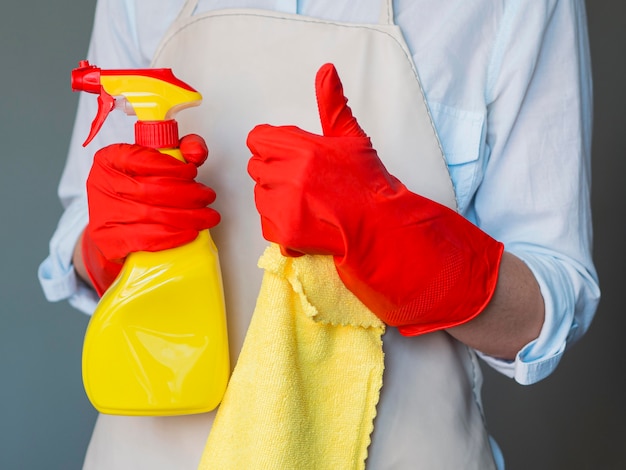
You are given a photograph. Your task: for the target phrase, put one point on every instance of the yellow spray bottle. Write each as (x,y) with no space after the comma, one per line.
(157,343)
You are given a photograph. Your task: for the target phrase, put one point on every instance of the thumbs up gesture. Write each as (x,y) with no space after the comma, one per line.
(415,263)
(308,184)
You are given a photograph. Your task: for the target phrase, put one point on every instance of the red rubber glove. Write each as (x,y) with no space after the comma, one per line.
(142,200)
(415,263)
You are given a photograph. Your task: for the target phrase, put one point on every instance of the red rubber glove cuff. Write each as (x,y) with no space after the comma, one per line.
(418,290)
(101,271)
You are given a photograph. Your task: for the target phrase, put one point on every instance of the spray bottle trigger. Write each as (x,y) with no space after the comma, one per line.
(106,103)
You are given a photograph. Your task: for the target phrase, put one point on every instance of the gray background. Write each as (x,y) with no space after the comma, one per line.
(573,420)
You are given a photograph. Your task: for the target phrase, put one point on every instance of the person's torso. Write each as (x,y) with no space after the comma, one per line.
(253,67)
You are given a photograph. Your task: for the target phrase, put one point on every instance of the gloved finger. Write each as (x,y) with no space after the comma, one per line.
(284,222)
(194,149)
(255,168)
(138,160)
(263,144)
(272,233)
(141,228)
(129,212)
(120,240)
(335,114)
(257,140)
(269,142)
(280,153)
(170,191)
(163,191)
(298,243)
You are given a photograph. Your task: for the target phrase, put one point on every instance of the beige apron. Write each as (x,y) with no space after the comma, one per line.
(257,66)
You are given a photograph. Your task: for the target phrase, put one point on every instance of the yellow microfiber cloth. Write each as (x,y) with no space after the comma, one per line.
(303,394)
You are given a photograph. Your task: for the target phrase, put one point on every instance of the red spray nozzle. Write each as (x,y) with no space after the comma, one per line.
(155,95)
(86,78)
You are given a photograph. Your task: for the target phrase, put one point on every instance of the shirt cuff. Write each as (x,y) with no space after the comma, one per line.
(539,358)
(56,273)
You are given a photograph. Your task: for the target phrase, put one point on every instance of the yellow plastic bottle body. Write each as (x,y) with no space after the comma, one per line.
(157,343)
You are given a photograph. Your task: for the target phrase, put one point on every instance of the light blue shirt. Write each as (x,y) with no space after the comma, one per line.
(509,88)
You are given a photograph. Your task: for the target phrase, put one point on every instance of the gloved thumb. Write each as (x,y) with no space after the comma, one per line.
(194,149)
(335,114)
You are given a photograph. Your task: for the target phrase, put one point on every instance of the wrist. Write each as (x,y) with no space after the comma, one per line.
(78,262)
(419,265)
(97,271)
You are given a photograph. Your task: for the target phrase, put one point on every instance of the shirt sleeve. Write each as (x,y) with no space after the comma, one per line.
(56,273)
(535,195)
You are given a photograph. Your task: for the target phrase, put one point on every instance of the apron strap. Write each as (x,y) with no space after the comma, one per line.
(386,13)
(187,10)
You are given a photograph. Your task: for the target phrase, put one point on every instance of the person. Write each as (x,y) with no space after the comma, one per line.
(508,89)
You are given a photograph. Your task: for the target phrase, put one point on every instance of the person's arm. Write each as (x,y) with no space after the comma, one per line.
(117,41)
(415,263)
(512,319)
(535,190)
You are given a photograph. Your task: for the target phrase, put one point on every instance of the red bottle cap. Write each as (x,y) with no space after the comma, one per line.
(157,134)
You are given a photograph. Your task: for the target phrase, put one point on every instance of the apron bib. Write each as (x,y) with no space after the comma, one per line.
(257,66)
